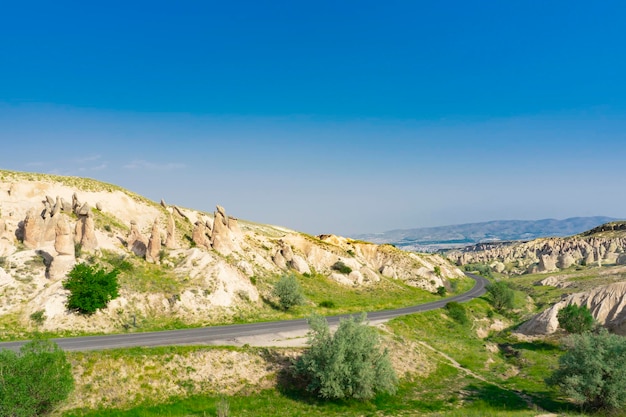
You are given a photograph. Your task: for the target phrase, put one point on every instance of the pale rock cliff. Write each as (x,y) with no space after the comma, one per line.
(548,254)
(607,305)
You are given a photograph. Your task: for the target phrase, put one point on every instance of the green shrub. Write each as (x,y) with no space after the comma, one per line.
(348,364)
(457,312)
(289,292)
(441,291)
(482,269)
(90,288)
(327,304)
(593,370)
(501,296)
(339,266)
(575,319)
(38,317)
(34,381)
(437,270)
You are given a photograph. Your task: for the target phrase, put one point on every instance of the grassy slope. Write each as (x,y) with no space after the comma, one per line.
(469,376)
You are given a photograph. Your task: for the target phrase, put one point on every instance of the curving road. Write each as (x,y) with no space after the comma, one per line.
(225,335)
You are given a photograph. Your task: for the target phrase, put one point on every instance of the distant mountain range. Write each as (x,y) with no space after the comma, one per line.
(445,237)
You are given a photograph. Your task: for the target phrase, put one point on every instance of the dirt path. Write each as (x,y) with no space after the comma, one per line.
(526,398)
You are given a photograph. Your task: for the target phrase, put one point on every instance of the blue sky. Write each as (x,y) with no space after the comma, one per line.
(327,117)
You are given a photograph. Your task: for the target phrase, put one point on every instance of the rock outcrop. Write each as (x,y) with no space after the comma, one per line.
(607,304)
(64,242)
(154,244)
(85,233)
(285,259)
(34,227)
(199,235)
(545,255)
(136,242)
(225,233)
(65,259)
(170,239)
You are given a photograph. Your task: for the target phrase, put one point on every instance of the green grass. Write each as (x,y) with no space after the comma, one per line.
(445,391)
(482,400)
(327,297)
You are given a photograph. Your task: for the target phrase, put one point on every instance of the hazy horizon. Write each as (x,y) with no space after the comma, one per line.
(348,118)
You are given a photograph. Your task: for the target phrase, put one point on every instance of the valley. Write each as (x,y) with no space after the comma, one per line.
(180,268)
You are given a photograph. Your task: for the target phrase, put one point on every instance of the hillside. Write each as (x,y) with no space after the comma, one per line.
(178,266)
(603,245)
(460,235)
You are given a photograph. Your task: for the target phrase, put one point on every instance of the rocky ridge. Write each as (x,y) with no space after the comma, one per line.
(603,245)
(48,223)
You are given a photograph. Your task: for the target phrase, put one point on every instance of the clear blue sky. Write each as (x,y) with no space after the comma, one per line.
(327,117)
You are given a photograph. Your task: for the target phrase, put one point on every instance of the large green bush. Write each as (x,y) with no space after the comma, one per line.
(289,292)
(35,381)
(91,288)
(348,364)
(501,295)
(592,371)
(575,319)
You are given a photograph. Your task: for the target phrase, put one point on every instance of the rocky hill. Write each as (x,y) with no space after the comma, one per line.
(185,265)
(605,244)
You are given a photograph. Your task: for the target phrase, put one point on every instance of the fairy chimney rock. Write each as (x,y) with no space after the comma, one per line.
(136,242)
(199,236)
(170,240)
(64,242)
(88,240)
(34,226)
(154,244)
(222,238)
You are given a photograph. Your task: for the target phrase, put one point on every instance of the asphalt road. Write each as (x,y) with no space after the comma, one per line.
(224,334)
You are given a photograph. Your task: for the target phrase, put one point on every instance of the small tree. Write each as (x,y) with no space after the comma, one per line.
(348,364)
(34,381)
(289,292)
(90,288)
(502,296)
(593,370)
(575,319)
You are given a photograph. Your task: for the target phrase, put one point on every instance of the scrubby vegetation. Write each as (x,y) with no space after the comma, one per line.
(35,380)
(347,364)
(501,296)
(576,319)
(593,371)
(288,292)
(341,267)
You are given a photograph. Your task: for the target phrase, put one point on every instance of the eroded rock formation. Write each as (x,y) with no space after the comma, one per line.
(154,244)
(136,242)
(170,240)
(544,255)
(199,235)
(223,238)
(607,305)
(85,232)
